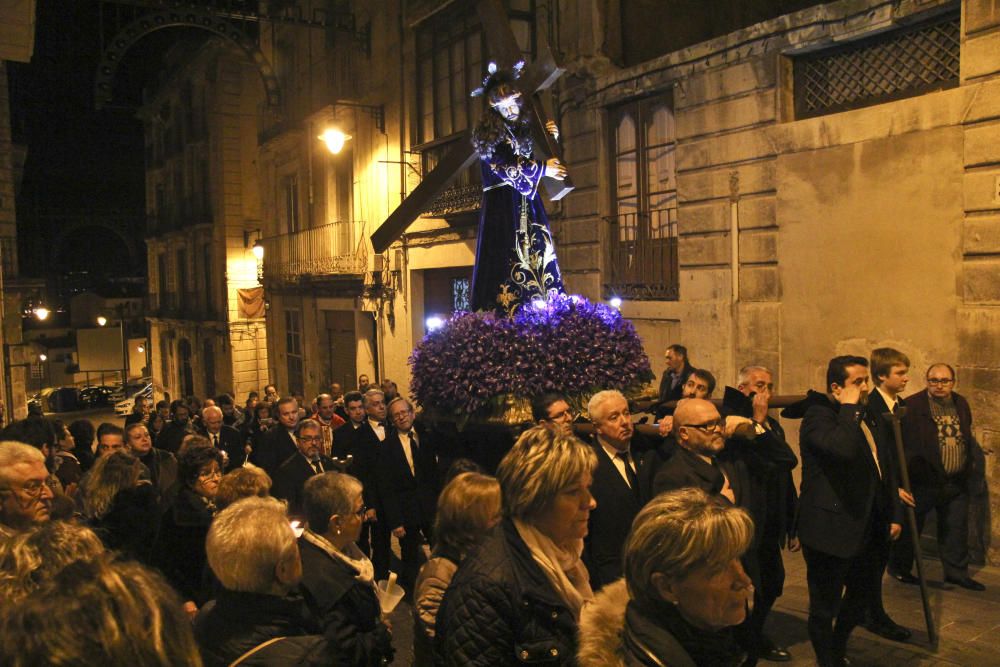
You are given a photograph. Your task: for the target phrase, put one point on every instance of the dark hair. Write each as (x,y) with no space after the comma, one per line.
(83,432)
(193,459)
(275,387)
(107,428)
(162,404)
(179,403)
(459,466)
(836,371)
(679,349)
(253,395)
(224,399)
(706,376)
(32,430)
(263,405)
(540,406)
(285,400)
(882,361)
(353,396)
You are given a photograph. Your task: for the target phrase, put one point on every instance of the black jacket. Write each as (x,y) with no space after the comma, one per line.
(364,446)
(920,439)
(347,610)
(231,442)
(611,520)
(408,498)
(291,476)
(842,491)
(234,623)
(501,610)
(172,435)
(272,448)
(180,549)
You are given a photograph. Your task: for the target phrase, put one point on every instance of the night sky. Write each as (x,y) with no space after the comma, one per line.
(79,161)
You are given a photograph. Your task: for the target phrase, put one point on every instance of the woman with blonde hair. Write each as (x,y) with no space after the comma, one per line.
(119,503)
(468,508)
(30,558)
(683,591)
(518,597)
(242,483)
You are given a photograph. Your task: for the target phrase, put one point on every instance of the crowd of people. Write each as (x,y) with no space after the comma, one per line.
(203,533)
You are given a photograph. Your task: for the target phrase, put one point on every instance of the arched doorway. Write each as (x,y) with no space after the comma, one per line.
(184,370)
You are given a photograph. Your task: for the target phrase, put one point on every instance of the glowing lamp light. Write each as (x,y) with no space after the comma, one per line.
(43,357)
(334,140)
(101,320)
(258,250)
(434,322)
(41,313)
(615,302)
(140,349)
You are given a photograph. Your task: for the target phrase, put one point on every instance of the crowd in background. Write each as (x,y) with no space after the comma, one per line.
(269,533)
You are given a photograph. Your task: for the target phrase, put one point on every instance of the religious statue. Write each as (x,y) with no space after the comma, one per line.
(515,256)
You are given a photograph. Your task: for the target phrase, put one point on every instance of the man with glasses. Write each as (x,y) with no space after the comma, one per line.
(940,449)
(309,460)
(25,496)
(553,408)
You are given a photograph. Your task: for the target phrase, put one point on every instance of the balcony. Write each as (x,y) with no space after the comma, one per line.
(321,251)
(643,256)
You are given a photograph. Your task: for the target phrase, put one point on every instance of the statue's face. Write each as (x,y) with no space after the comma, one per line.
(508,105)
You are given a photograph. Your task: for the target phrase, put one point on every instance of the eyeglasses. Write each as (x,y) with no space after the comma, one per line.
(564,415)
(310,438)
(34,488)
(714,425)
(209,474)
(940,381)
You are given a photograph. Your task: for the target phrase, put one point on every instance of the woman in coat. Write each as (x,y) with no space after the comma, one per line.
(684,588)
(518,597)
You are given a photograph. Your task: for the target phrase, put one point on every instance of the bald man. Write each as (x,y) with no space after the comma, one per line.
(222,437)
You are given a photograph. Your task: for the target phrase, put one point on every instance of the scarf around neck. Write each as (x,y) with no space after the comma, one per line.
(563,568)
(351,556)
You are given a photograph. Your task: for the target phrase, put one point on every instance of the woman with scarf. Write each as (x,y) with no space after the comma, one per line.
(518,597)
(684,588)
(337,578)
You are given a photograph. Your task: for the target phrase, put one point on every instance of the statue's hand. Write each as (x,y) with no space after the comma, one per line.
(555,169)
(551,128)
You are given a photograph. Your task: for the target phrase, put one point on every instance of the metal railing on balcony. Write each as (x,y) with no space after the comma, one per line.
(330,249)
(643,255)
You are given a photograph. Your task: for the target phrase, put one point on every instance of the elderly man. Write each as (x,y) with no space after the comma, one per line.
(309,460)
(849,508)
(408,486)
(162,464)
(24,490)
(940,449)
(224,438)
(615,487)
(253,553)
(274,446)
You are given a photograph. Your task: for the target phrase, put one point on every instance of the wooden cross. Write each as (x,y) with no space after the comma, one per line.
(536,77)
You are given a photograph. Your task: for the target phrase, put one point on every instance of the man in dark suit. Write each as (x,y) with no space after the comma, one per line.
(224,438)
(674,377)
(177,429)
(890,371)
(615,487)
(273,447)
(940,451)
(359,439)
(848,508)
(291,475)
(408,487)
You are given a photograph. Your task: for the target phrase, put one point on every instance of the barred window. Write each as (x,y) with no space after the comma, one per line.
(889,66)
(643,229)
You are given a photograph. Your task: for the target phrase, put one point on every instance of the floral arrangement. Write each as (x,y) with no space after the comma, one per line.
(565,343)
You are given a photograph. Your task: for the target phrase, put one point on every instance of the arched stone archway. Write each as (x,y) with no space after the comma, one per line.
(186,17)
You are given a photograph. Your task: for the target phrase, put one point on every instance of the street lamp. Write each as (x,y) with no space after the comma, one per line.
(334,140)
(41,312)
(101,320)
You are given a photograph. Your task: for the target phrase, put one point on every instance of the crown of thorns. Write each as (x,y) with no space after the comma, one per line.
(496,76)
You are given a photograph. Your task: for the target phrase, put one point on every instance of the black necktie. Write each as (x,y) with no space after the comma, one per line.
(317,467)
(630,475)
(414,445)
(215,440)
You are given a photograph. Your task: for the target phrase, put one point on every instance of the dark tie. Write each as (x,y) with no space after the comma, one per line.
(414,445)
(630,475)
(215,440)
(317,467)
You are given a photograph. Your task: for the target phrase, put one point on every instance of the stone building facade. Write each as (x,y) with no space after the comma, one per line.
(203,215)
